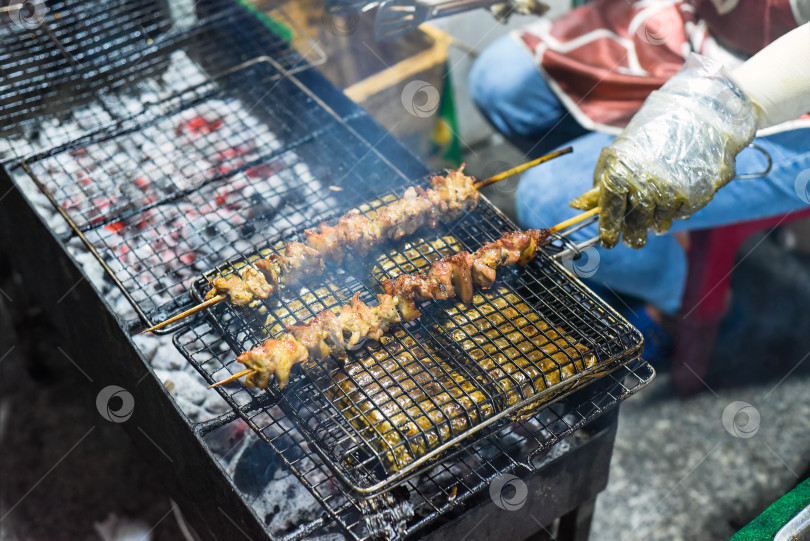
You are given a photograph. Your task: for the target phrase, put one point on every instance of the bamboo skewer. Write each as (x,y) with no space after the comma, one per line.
(232,377)
(478,185)
(521,168)
(557,228)
(575,220)
(190,312)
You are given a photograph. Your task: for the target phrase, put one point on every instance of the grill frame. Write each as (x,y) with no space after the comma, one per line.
(138,37)
(199,341)
(359,190)
(245,334)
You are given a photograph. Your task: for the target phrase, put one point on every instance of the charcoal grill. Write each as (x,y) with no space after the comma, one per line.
(304,160)
(423,500)
(538,312)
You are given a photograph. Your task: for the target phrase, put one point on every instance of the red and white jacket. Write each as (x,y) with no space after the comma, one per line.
(604,58)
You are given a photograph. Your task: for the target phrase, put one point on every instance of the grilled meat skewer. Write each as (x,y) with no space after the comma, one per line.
(453,276)
(449,197)
(360,232)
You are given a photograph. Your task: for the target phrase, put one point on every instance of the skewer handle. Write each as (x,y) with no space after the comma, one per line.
(575,220)
(232,377)
(520,168)
(189,312)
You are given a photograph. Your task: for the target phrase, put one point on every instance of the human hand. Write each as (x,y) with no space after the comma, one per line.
(673,156)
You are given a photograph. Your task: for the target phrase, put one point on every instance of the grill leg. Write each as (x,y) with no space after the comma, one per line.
(576,524)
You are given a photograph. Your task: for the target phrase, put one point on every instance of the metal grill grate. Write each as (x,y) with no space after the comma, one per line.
(231,190)
(456,371)
(518,447)
(205,175)
(88,65)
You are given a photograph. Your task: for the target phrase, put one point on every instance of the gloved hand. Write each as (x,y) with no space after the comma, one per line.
(675,153)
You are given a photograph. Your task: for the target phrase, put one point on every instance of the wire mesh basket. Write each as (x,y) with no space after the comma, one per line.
(201,176)
(518,447)
(71,67)
(431,384)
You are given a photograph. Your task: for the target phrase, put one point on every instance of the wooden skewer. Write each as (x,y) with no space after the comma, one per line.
(557,228)
(232,377)
(575,220)
(478,185)
(520,168)
(189,312)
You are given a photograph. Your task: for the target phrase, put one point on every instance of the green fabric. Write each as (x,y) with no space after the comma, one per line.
(282,31)
(766,525)
(445,143)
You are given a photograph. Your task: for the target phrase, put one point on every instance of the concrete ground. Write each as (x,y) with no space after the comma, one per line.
(678,472)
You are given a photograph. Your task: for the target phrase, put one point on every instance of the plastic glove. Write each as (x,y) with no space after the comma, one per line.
(675,153)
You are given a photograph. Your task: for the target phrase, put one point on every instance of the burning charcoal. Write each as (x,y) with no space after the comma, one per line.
(215,404)
(187,386)
(256,467)
(224,440)
(168,358)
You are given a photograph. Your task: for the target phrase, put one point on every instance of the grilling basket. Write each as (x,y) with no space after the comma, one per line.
(430,387)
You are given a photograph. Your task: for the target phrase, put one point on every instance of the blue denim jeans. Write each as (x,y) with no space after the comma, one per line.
(513,95)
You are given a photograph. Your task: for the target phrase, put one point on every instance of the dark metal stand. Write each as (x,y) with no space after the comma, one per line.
(560,500)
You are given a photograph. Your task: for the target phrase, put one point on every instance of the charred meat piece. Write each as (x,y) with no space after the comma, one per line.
(458,191)
(408,288)
(232,286)
(441,272)
(517,247)
(462,276)
(384,316)
(255,283)
(327,240)
(483,275)
(269,268)
(405,215)
(311,337)
(415,285)
(354,319)
(321,336)
(300,261)
(359,233)
(407,308)
(272,357)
